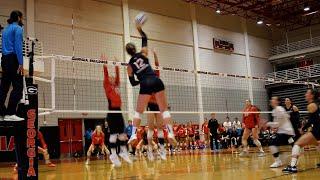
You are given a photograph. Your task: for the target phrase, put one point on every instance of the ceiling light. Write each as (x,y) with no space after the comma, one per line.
(259,21)
(218,10)
(306,7)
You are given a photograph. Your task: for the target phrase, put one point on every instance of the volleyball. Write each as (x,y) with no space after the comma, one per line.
(141,18)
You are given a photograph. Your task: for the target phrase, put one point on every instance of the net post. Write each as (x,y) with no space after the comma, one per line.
(246,42)
(53,86)
(196,60)
(126,39)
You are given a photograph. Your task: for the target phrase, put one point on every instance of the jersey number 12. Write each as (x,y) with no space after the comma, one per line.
(139,63)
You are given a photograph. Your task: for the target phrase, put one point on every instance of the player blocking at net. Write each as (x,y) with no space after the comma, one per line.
(115,120)
(150,84)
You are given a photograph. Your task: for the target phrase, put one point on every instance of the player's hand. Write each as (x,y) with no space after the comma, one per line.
(20,70)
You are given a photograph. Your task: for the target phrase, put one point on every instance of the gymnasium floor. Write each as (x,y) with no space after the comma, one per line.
(197,165)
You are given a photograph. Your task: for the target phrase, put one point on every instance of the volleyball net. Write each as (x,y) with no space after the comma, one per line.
(72,87)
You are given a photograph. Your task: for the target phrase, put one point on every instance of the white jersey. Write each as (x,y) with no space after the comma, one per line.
(281,121)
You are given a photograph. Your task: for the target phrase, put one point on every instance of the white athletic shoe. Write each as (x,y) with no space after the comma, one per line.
(244,154)
(115,160)
(150,156)
(133,137)
(13,118)
(261,154)
(276,164)
(162,153)
(125,156)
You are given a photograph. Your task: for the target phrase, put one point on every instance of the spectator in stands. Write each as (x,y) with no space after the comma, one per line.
(237,124)
(234,137)
(224,137)
(213,126)
(128,129)
(227,125)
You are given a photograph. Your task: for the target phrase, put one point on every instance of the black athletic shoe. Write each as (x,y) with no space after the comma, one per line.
(290,169)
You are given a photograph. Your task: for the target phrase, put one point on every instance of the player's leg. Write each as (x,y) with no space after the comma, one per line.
(274,150)
(245,136)
(306,139)
(142,103)
(255,135)
(163,106)
(150,133)
(89,152)
(124,154)
(46,156)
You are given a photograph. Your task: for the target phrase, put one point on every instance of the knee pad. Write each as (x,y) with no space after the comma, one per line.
(166,115)
(296,150)
(274,149)
(150,134)
(113,138)
(160,133)
(136,115)
(257,142)
(122,137)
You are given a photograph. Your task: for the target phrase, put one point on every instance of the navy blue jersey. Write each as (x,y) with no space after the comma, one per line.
(314,117)
(141,66)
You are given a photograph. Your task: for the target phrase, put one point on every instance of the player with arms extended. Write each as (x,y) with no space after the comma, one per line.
(150,85)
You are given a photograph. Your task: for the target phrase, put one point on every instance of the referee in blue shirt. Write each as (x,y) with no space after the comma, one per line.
(12,67)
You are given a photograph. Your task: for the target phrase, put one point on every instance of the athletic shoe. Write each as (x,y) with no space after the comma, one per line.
(276,164)
(162,153)
(244,154)
(133,137)
(261,154)
(51,164)
(150,156)
(290,169)
(115,160)
(87,162)
(125,156)
(13,118)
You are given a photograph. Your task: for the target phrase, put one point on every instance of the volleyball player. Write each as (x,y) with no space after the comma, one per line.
(150,85)
(284,131)
(294,117)
(97,142)
(115,120)
(311,137)
(155,118)
(205,131)
(250,123)
(191,136)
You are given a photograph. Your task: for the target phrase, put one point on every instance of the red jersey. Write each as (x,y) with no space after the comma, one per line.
(111,90)
(97,139)
(153,98)
(205,128)
(196,129)
(155,133)
(175,129)
(41,139)
(250,120)
(191,131)
(182,132)
(165,133)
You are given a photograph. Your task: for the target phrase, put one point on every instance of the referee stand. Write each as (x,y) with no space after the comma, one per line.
(25,132)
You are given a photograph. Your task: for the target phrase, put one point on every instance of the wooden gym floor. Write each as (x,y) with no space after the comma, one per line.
(194,166)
